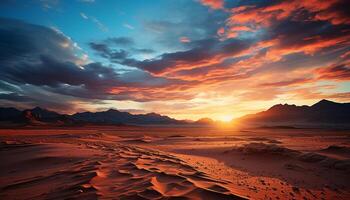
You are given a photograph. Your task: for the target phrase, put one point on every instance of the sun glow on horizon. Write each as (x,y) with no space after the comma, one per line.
(225,118)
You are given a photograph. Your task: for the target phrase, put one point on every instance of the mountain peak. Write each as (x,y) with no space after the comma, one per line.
(153,114)
(324,102)
(281,107)
(322,112)
(37,108)
(112,110)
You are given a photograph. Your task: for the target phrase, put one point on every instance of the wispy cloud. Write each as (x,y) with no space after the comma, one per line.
(93,19)
(128,26)
(87,1)
(83,15)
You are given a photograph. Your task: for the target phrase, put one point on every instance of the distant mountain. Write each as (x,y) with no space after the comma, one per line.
(204,121)
(323,112)
(35,116)
(40,116)
(116,117)
(9,114)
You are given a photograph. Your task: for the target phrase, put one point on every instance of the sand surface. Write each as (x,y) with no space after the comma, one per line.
(174,163)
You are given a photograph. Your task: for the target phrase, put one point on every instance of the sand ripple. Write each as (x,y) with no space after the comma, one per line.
(149,174)
(97,170)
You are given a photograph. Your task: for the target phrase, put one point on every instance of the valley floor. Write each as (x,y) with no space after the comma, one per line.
(174,163)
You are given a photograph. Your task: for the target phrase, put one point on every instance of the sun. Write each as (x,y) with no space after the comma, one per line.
(226,118)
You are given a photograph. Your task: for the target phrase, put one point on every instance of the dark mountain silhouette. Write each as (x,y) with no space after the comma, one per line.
(35,116)
(116,117)
(40,116)
(9,114)
(323,112)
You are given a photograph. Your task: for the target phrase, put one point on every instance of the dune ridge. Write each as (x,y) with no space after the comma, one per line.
(260,148)
(91,169)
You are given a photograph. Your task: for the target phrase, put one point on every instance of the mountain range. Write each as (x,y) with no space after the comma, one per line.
(40,116)
(323,112)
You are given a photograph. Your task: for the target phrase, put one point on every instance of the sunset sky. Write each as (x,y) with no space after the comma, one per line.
(187,59)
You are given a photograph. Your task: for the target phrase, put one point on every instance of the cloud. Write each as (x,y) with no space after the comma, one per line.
(122,41)
(165,32)
(20,44)
(214,4)
(93,19)
(143,50)
(128,26)
(256,17)
(49,4)
(296,81)
(92,75)
(184,39)
(87,1)
(15,97)
(118,49)
(338,72)
(116,56)
(205,53)
(99,24)
(43,69)
(83,15)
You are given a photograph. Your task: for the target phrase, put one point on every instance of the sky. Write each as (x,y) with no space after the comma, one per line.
(187,59)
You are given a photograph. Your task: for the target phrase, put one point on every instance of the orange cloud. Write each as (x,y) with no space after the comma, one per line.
(214,4)
(184,40)
(260,17)
(297,81)
(338,72)
(309,46)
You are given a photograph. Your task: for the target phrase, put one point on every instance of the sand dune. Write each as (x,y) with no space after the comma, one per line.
(104,164)
(95,169)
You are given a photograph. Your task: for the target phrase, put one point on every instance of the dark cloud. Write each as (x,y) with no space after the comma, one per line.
(21,41)
(143,50)
(335,72)
(121,41)
(114,55)
(57,73)
(43,69)
(111,49)
(201,53)
(15,97)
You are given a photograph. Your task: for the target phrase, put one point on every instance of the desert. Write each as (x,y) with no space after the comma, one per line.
(126,163)
(174,99)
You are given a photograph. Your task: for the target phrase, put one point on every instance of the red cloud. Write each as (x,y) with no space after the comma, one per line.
(214,4)
(259,17)
(296,81)
(184,40)
(339,72)
(279,47)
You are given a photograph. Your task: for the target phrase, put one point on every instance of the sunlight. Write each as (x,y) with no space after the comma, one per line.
(226,118)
